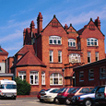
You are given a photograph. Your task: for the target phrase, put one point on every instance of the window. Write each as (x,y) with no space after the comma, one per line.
(56,79)
(96,56)
(60,56)
(55,40)
(51,56)
(91,74)
(89,57)
(34,80)
(92,42)
(43,78)
(74,58)
(102,73)
(81,76)
(71,42)
(22,75)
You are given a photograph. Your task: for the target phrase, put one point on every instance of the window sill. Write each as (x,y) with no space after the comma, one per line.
(55,63)
(57,85)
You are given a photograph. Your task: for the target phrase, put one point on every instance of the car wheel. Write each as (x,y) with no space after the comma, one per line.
(56,100)
(67,101)
(88,102)
(41,100)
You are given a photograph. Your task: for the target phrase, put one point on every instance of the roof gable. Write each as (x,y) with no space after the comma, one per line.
(54,23)
(29,59)
(91,26)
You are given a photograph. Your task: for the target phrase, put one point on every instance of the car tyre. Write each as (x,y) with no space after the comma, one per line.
(41,100)
(88,102)
(56,100)
(67,101)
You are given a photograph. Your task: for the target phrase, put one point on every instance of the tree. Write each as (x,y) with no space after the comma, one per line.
(23,87)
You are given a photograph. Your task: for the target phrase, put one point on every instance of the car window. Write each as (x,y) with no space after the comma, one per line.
(70,90)
(93,91)
(84,90)
(54,90)
(42,90)
(61,90)
(74,91)
(101,90)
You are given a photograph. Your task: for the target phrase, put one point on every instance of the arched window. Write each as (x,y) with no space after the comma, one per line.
(74,58)
(71,42)
(56,79)
(92,42)
(55,40)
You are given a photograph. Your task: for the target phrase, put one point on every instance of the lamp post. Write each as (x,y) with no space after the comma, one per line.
(63,77)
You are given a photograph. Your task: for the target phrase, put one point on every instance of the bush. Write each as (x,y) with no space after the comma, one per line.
(23,87)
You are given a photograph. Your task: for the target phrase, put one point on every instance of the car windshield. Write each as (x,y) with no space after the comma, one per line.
(54,91)
(61,90)
(8,86)
(76,89)
(42,90)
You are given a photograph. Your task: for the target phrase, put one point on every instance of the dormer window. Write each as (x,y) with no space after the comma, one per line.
(55,40)
(71,42)
(92,42)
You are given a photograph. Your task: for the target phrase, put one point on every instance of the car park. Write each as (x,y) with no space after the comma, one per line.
(100,95)
(85,99)
(49,95)
(78,91)
(62,96)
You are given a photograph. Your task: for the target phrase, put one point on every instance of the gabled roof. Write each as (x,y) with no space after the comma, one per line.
(54,17)
(3,52)
(81,30)
(25,49)
(29,59)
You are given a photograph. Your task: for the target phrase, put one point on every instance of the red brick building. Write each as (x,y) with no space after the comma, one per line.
(93,74)
(49,54)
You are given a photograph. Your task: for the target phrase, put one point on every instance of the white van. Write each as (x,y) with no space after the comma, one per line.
(8,88)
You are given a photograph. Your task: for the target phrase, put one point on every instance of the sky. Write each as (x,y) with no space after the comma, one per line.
(15,15)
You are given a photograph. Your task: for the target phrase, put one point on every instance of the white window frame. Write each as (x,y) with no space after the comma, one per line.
(60,56)
(89,57)
(71,42)
(103,72)
(91,74)
(81,75)
(22,74)
(34,74)
(55,40)
(96,56)
(51,56)
(59,78)
(74,58)
(92,42)
(43,78)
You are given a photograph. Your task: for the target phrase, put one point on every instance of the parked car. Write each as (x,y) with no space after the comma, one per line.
(39,94)
(85,99)
(62,96)
(100,95)
(49,95)
(79,91)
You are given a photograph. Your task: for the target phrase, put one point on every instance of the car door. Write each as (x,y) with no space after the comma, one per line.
(100,93)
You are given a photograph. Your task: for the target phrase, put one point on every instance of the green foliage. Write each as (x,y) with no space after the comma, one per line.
(23,87)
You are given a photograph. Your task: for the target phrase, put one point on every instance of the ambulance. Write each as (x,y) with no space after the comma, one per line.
(8,88)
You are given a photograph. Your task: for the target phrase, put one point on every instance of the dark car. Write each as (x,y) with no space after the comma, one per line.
(100,95)
(62,96)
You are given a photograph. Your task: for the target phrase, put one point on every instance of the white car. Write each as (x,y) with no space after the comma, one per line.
(50,95)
